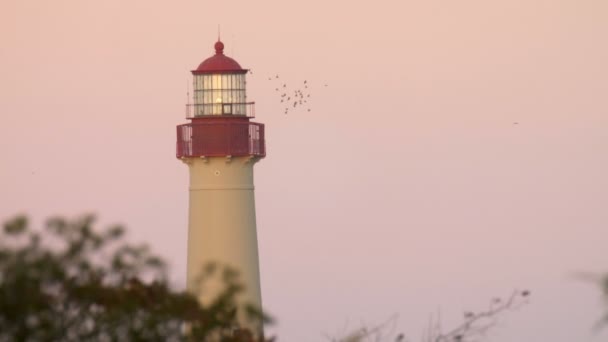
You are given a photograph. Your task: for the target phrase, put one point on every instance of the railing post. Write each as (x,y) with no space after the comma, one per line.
(228,132)
(178,143)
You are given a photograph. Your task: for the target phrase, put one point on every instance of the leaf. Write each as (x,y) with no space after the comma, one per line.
(16,226)
(155,262)
(115,232)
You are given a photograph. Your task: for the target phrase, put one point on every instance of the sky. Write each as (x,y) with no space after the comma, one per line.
(458,152)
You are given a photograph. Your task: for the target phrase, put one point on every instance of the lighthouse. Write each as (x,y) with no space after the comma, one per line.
(221,145)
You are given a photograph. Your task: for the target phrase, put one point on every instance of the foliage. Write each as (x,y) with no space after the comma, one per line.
(601,281)
(72,283)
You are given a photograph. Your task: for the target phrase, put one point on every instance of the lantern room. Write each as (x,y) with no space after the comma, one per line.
(219,87)
(220,114)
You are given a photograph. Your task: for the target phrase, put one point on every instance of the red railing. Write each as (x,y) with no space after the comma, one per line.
(212,139)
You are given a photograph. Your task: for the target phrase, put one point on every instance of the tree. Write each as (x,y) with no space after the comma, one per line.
(73,283)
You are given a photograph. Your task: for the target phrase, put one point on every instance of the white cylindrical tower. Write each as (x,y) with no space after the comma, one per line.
(220,146)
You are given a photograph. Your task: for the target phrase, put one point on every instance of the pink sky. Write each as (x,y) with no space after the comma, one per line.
(407,188)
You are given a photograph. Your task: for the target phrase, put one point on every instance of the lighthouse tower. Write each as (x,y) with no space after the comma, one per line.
(220,145)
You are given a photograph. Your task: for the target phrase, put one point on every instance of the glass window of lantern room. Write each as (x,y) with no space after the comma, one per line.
(235,81)
(235,88)
(207,98)
(199,109)
(226,109)
(198,80)
(217,102)
(225,81)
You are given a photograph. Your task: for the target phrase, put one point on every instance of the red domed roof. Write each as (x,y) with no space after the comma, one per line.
(219,63)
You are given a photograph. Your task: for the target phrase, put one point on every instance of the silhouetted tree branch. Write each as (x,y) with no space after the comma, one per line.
(473,328)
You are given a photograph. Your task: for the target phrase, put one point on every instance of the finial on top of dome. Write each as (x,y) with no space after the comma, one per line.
(219,47)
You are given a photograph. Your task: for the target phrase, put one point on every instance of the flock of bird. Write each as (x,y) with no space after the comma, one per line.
(299,97)
(291,98)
